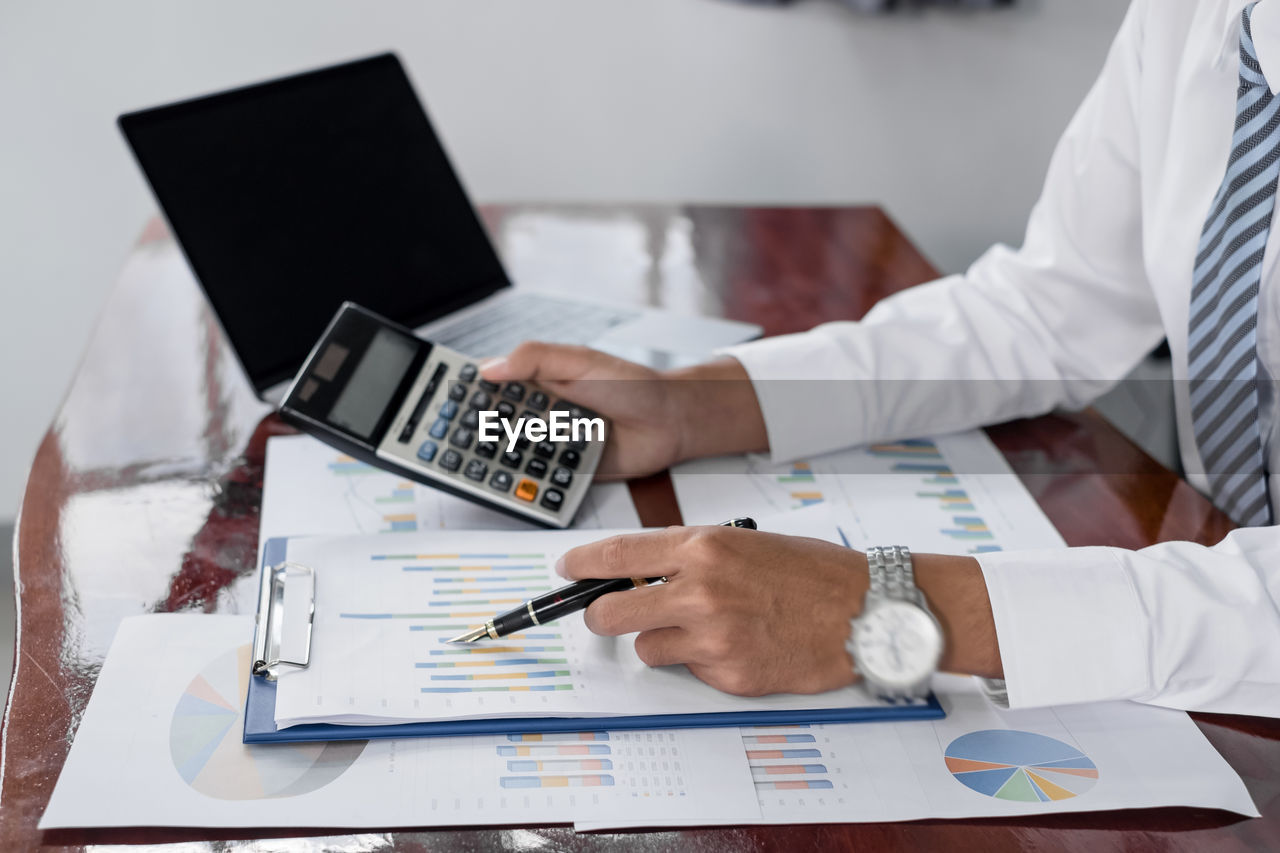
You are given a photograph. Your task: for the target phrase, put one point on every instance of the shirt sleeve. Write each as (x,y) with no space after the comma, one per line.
(1177,624)
(1054,323)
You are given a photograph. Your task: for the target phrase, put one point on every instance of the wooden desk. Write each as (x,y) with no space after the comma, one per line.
(144,497)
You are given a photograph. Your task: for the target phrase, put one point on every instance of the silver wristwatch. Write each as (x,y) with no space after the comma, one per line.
(896,642)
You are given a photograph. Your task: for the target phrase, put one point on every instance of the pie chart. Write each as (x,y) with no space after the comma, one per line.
(204,741)
(1023,766)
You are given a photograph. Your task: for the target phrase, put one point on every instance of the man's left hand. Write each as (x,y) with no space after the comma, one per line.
(748,612)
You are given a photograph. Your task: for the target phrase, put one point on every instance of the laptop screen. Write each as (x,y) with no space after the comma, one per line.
(291,196)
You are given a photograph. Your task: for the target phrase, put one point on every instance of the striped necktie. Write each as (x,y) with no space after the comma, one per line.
(1222,332)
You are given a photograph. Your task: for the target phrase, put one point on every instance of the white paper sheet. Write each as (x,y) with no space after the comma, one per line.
(159,745)
(981,762)
(147,753)
(311,489)
(384,614)
(951,495)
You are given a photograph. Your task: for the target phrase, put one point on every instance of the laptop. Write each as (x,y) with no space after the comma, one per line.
(291,196)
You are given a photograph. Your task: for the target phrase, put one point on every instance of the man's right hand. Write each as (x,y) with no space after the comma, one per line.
(658,418)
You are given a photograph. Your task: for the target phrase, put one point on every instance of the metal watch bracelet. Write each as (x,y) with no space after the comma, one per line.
(892,574)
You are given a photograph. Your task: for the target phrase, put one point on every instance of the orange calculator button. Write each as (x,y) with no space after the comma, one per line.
(527,490)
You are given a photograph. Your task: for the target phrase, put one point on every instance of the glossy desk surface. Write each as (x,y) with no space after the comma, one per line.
(144,497)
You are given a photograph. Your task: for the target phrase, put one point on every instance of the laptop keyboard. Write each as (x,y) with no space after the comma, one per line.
(521,317)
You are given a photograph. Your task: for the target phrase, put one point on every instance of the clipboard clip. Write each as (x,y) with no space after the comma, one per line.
(270,619)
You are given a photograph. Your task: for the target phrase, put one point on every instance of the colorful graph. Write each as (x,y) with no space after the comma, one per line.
(559,760)
(800,473)
(345,466)
(400,522)
(401,494)
(356,479)
(557,749)
(968,527)
(457,592)
(950,500)
(915,448)
(1022,766)
(204,742)
(785,758)
(594,781)
(506,688)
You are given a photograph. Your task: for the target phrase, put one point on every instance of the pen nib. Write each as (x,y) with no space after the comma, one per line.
(471,636)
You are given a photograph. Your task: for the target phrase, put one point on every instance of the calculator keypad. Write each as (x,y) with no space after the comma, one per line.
(543,479)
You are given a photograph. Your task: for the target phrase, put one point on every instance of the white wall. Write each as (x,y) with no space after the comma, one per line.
(947,119)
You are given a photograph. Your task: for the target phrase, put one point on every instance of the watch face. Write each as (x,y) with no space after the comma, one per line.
(896,644)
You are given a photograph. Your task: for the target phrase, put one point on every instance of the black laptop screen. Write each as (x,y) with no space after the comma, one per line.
(291,196)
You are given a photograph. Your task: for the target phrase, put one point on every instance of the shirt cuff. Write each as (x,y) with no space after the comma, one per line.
(1070,626)
(996,690)
(793,378)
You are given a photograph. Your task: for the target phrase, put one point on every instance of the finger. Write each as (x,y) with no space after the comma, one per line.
(665,647)
(634,610)
(534,360)
(633,555)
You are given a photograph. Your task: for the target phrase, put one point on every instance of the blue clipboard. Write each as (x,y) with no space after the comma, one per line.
(260,703)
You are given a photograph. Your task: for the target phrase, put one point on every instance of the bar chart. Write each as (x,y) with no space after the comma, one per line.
(953,494)
(557,760)
(786,758)
(457,592)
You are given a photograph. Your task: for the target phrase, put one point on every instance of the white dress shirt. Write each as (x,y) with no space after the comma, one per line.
(1104,273)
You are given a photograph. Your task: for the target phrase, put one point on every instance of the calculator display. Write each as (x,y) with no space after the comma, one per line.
(375,379)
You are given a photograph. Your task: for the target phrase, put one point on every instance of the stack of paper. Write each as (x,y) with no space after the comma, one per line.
(160,740)
(160,745)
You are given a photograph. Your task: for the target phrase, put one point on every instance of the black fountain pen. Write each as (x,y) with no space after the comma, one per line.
(563,601)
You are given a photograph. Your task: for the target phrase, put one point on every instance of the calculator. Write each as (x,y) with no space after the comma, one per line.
(376,391)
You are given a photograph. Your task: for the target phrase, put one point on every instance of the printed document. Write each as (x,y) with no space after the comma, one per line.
(160,745)
(385,610)
(951,495)
(312,489)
